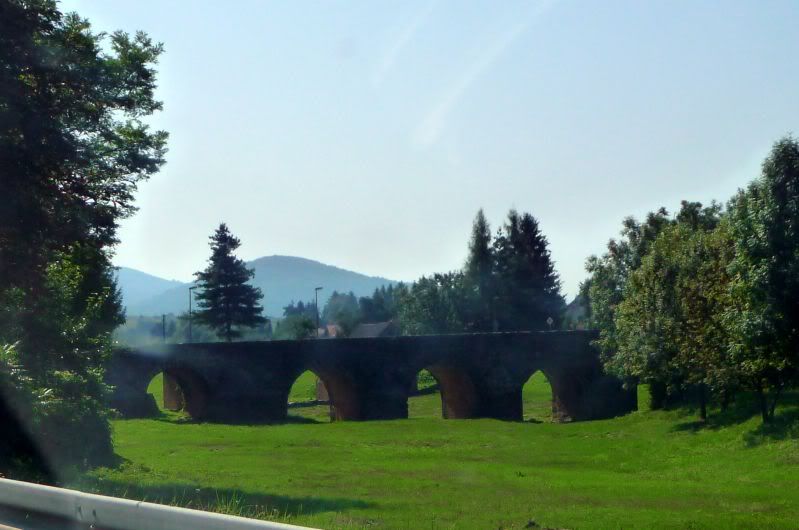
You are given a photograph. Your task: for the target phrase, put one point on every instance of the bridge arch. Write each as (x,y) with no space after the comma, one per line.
(183,389)
(341,391)
(458,393)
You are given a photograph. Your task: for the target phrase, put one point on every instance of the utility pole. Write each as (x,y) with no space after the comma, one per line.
(193,287)
(316,306)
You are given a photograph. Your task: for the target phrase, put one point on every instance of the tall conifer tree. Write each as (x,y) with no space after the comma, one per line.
(227,302)
(528,286)
(479,274)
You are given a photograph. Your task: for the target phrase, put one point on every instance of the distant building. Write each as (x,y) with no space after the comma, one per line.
(330,331)
(375,329)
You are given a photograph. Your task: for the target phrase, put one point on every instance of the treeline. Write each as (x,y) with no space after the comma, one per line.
(507,283)
(705,303)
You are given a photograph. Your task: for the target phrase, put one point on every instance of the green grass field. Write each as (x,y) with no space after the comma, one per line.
(653,469)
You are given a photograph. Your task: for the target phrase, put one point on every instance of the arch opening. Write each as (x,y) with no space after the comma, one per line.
(180,392)
(538,399)
(447,390)
(424,396)
(309,399)
(166,392)
(322,396)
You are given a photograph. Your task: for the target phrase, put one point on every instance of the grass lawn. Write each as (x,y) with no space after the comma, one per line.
(654,469)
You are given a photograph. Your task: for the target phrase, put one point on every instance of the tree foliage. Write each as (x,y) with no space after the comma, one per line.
(707,301)
(73,148)
(508,283)
(527,286)
(73,144)
(226,300)
(343,310)
(764,315)
(480,276)
(433,305)
(382,305)
(669,324)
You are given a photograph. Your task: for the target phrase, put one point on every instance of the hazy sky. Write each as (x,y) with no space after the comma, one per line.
(367,134)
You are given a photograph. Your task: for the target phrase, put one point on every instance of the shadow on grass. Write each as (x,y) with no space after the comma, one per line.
(785,424)
(178,418)
(306,404)
(222,500)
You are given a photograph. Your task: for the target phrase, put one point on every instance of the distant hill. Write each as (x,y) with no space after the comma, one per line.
(282,279)
(137,286)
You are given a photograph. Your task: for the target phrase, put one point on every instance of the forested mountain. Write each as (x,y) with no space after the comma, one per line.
(281,278)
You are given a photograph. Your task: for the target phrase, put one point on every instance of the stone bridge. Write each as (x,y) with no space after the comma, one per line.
(479,375)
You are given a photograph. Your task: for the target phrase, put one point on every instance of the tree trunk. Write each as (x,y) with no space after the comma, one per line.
(763,405)
(726,397)
(657,394)
(774,402)
(702,403)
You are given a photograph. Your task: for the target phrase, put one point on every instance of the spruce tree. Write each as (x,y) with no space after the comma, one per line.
(528,288)
(479,274)
(226,301)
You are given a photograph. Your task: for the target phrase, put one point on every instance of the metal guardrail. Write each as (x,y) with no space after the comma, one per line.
(110,513)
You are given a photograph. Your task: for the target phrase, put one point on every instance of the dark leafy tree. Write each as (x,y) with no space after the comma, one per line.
(433,305)
(226,300)
(606,290)
(73,148)
(607,281)
(763,317)
(670,323)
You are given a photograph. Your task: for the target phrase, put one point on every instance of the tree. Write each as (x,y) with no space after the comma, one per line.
(342,310)
(479,275)
(295,327)
(382,305)
(73,149)
(763,316)
(528,288)
(226,301)
(433,305)
(305,309)
(669,326)
(73,145)
(609,278)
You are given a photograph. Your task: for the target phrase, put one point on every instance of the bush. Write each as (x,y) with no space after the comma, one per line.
(48,430)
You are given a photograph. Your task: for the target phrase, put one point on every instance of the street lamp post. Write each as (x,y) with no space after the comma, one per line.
(316,306)
(193,287)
